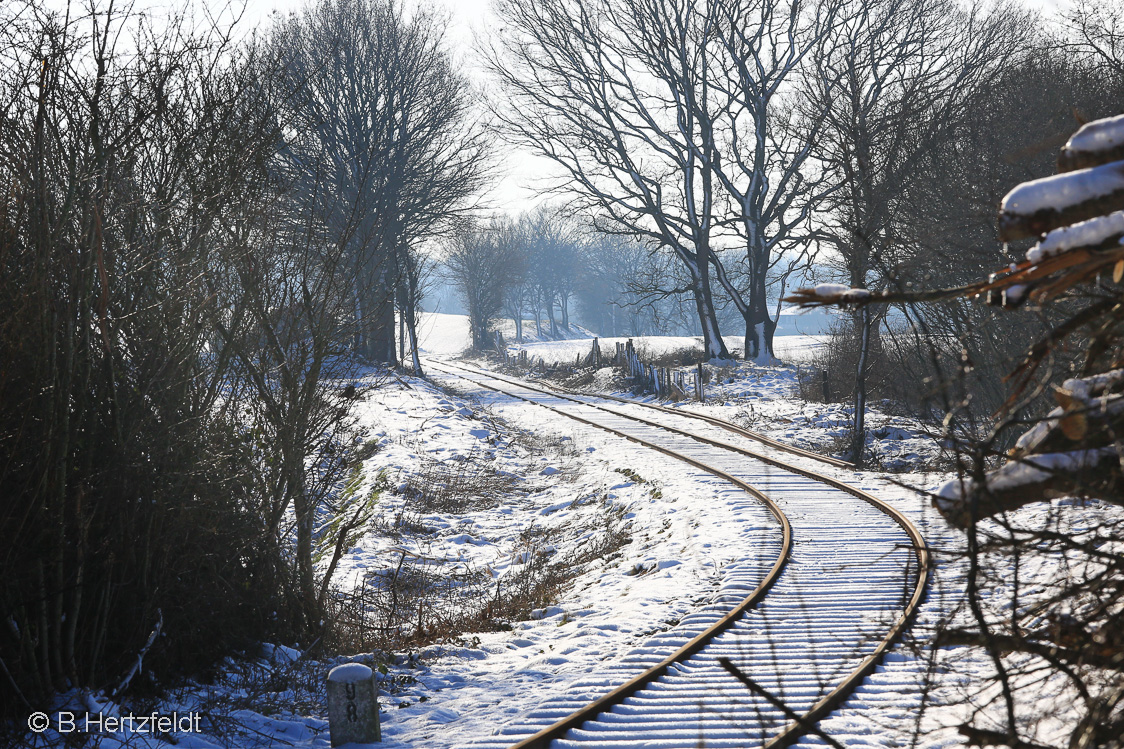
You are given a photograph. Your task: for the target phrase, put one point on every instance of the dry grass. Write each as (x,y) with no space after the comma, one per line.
(420,600)
(456,488)
(684,356)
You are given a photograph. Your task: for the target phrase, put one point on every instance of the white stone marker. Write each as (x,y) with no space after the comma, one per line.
(353,710)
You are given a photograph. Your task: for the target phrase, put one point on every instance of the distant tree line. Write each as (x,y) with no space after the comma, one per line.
(547,267)
(202,236)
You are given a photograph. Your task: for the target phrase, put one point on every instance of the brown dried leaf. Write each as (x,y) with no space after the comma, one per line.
(1074,426)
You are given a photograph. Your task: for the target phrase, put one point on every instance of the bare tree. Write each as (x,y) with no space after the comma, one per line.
(895,81)
(761,144)
(381,120)
(482,261)
(607,302)
(552,245)
(416,279)
(517,295)
(673,120)
(1095,28)
(284,318)
(589,88)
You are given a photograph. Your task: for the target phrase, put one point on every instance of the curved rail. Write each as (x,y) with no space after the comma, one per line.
(730,427)
(794,729)
(714,420)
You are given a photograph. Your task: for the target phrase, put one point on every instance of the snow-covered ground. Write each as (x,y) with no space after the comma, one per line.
(788,348)
(441,333)
(763,398)
(641,541)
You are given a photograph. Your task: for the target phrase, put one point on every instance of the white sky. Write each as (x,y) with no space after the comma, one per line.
(516,188)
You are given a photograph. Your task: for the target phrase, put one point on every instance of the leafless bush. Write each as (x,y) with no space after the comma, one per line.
(543,576)
(900,368)
(541,443)
(418,600)
(684,356)
(459,487)
(128,478)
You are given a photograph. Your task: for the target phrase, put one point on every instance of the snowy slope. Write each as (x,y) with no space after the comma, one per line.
(441,333)
(567,483)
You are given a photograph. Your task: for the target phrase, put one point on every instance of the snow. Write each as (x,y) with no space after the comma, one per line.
(565,481)
(1032,469)
(1014,294)
(830,289)
(350,672)
(1101,135)
(840,292)
(564,490)
(790,348)
(1083,387)
(1089,233)
(1065,190)
(443,333)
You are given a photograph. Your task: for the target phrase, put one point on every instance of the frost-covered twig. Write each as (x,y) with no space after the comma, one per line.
(1033,479)
(139,663)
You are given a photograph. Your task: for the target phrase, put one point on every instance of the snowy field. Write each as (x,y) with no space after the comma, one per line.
(789,348)
(445,334)
(441,333)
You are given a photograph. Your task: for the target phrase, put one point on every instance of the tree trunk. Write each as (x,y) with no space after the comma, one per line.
(304,517)
(858,442)
(401,336)
(713,345)
(412,331)
(376,326)
(770,329)
(381,323)
(752,340)
(759,333)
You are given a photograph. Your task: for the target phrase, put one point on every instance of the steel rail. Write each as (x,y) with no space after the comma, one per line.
(544,737)
(796,728)
(727,425)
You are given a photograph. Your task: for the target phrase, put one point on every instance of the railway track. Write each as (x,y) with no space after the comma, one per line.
(846,574)
(722,424)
